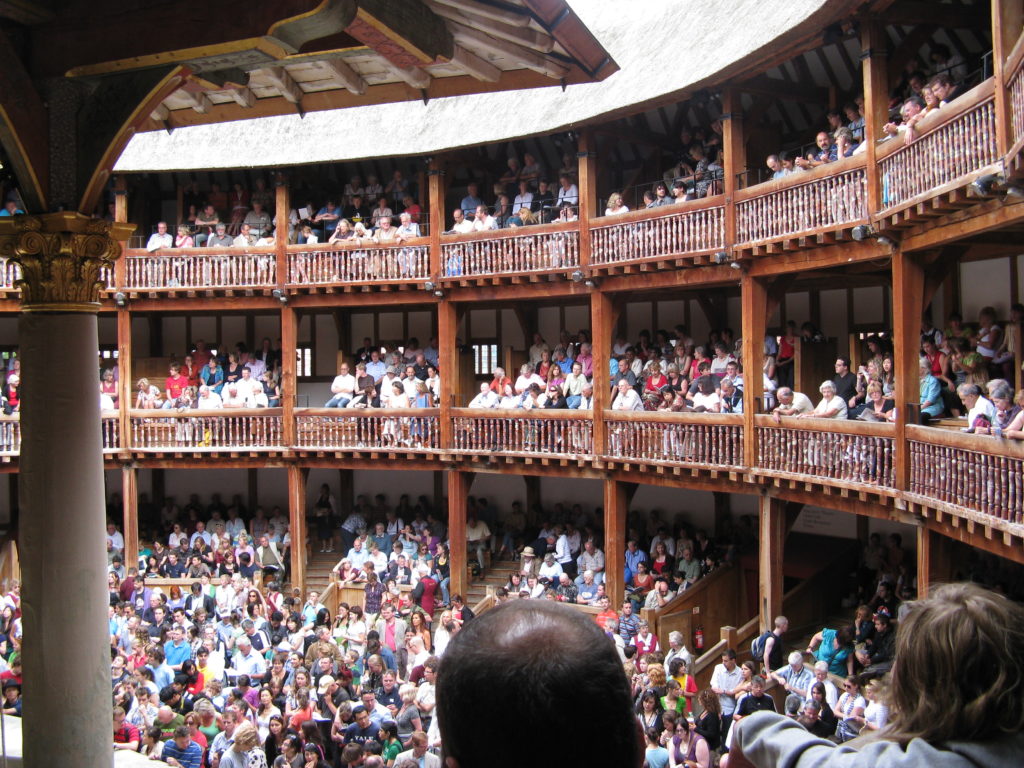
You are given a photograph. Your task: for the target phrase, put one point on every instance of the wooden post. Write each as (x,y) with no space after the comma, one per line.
(130,525)
(459,484)
(435,181)
(587,158)
(282,206)
(1007,19)
(770,553)
(533,498)
(289,380)
(125,390)
(297,523)
(734,157)
(934,560)
(723,511)
(907,292)
(602,325)
(616,506)
(754,300)
(874,51)
(448,360)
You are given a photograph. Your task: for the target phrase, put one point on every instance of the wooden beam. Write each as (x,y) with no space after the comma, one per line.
(436,213)
(754,301)
(474,65)
(459,484)
(947,15)
(735,161)
(297,524)
(130,523)
(616,508)
(160,112)
(242,96)
(345,76)
(447,330)
(770,557)
(197,100)
(521,34)
(286,86)
(588,168)
(486,44)
(934,560)
(506,14)
(414,76)
(908,293)
(602,327)
(1007,18)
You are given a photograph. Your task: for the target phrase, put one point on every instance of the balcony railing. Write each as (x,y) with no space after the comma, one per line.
(111,429)
(709,439)
(10,436)
(851,451)
(1016,88)
(825,199)
(979,472)
(206,431)
(200,269)
(341,264)
(672,230)
(404,429)
(963,142)
(540,248)
(535,432)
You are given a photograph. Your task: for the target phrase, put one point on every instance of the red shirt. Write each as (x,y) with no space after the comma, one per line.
(176,385)
(126,734)
(414,212)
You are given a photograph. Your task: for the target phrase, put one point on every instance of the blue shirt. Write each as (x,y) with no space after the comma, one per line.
(162,675)
(176,654)
(190,757)
(931,392)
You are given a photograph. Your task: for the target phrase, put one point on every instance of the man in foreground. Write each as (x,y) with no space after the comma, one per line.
(532,663)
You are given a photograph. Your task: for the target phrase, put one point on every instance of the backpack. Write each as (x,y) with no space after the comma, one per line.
(757,647)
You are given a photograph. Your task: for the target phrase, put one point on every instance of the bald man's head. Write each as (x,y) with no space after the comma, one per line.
(546,667)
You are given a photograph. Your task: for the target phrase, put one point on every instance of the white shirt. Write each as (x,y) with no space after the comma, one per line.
(463,227)
(724,680)
(524,200)
(488,399)
(484,224)
(570,195)
(157,241)
(344,384)
(116,540)
(627,401)
(212,400)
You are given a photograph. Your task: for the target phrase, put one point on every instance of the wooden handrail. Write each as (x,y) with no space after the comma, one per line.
(169,413)
(544,414)
(670,417)
(505,234)
(360,244)
(662,211)
(366,412)
(227,250)
(834,426)
(800,178)
(988,444)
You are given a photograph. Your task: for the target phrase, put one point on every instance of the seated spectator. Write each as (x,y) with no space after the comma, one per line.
(981,414)
(826,153)
(245,238)
(931,393)
(615,205)
(792,403)
(944,87)
(908,112)
(626,398)
(775,166)
(259,220)
(460,224)
(183,239)
(831,405)
(160,239)
(221,238)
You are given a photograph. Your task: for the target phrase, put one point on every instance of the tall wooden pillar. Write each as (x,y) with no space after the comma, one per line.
(587,186)
(616,507)
(934,560)
(289,379)
(1007,19)
(459,484)
(734,160)
(874,55)
(907,302)
(448,360)
(130,505)
(602,326)
(533,499)
(282,205)
(754,300)
(346,491)
(125,390)
(297,523)
(435,211)
(770,555)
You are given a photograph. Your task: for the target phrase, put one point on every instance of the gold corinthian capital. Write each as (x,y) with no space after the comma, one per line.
(65,259)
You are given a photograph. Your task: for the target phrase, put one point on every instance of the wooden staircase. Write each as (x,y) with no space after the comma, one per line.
(318,569)
(495,576)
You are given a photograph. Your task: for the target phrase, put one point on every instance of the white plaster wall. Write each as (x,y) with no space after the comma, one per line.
(174,336)
(577,318)
(985,283)
(549,323)
(511,332)
(204,327)
(392,329)
(484,323)
(868,305)
(326,347)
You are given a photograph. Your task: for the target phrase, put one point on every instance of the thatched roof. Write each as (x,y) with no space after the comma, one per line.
(664,49)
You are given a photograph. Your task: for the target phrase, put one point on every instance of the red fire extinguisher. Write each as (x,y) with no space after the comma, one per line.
(698,637)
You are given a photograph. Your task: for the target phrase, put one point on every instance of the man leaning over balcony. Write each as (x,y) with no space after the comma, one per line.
(343,388)
(160,239)
(826,153)
(791,403)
